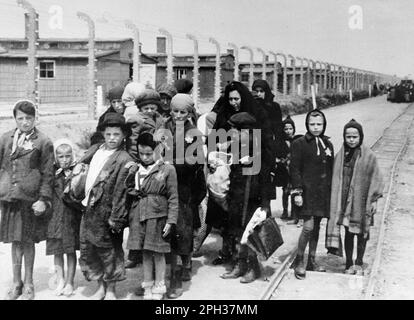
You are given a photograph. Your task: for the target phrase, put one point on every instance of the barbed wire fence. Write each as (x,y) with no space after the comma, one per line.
(287,73)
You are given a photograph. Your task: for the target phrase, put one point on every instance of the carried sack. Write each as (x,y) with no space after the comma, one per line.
(265,239)
(218,181)
(76,188)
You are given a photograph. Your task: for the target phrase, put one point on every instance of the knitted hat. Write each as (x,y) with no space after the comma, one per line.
(181,100)
(167,89)
(354,124)
(183,85)
(115,93)
(242,120)
(148,96)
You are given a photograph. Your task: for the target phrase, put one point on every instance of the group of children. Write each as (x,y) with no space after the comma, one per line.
(123,180)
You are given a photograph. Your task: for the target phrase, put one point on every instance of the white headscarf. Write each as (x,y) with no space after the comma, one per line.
(60,142)
(131,91)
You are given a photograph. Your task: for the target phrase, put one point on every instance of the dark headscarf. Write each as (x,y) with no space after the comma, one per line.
(288,120)
(354,124)
(248,104)
(259,83)
(349,152)
(324,120)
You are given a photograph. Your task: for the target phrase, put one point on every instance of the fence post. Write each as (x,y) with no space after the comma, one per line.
(264,63)
(301,75)
(313,68)
(196,74)
(32,67)
(91,63)
(251,72)
(284,72)
(217,82)
(293,60)
(325,80)
(170,66)
(236,61)
(308,88)
(136,62)
(275,74)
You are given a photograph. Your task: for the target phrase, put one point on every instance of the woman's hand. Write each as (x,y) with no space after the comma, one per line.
(166,231)
(298,200)
(39,207)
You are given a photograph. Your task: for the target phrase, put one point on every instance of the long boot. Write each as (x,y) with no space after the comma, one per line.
(313,266)
(239,270)
(299,265)
(253,271)
(175,290)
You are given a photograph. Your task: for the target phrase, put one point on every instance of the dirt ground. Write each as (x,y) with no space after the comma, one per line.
(396,277)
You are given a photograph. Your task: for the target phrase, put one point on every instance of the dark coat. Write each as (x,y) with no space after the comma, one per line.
(312,173)
(189,196)
(157,198)
(109,195)
(27,174)
(66,215)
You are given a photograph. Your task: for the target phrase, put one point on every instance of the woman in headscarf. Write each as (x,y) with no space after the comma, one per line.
(237,98)
(182,135)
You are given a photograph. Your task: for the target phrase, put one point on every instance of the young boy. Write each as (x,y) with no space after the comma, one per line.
(357,184)
(101,253)
(64,225)
(26,180)
(167,92)
(311,174)
(152,190)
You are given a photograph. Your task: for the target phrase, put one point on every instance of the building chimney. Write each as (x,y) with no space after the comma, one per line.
(27,25)
(230,51)
(161,45)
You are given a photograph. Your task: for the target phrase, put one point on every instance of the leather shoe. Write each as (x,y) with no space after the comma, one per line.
(238,271)
(14,292)
(313,266)
(130,264)
(300,272)
(186,274)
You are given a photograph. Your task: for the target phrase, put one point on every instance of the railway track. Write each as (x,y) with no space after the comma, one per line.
(388,147)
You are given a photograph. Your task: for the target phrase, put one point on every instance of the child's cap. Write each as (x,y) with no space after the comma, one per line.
(146,139)
(167,89)
(148,96)
(115,93)
(61,142)
(354,124)
(183,85)
(242,120)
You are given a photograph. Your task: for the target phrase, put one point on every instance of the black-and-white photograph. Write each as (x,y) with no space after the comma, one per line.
(206,150)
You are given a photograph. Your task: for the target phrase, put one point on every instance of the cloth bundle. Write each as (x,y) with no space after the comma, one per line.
(218,181)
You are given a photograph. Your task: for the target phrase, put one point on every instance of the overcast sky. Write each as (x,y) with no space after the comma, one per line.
(318,29)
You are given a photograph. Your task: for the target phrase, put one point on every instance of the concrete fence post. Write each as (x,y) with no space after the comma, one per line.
(293,63)
(301,75)
(32,84)
(251,68)
(170,63)
(196,72)
(91,87)
(217,81)
(236,61)
(136,60)
(264,63)
(275,74)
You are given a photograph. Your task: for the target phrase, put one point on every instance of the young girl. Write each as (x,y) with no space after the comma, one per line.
(357,184)
(311,174)
(101,253)
(282,171)
(26,179)
(152,188)
(64,225)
